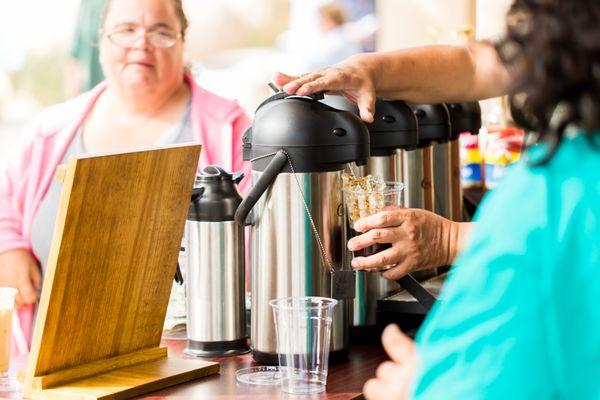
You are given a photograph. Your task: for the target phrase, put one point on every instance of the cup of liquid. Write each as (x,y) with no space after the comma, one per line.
(366,196)
(8,382)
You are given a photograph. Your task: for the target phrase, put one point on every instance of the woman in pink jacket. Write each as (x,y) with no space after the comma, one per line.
(146,100)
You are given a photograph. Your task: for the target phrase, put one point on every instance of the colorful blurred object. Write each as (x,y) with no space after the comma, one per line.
(470,161)
(485,158)
(503,148)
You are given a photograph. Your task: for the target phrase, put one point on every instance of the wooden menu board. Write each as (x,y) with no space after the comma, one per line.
(107,284)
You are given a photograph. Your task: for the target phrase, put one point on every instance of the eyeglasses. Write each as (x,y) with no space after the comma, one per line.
(127,37)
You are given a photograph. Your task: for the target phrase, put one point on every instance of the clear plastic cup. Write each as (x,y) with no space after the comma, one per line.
(303,330)
(360,203)
(7,305)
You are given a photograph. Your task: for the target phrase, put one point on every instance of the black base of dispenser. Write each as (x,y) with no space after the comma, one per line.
(217,349)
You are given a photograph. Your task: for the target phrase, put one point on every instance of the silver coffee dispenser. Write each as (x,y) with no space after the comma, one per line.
(216,323)
(394,128)
(434,131)
(298,148)
(417,172)
(395,156)
(464,117)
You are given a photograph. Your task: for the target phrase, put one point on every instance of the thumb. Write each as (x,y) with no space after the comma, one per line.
(27,292)
(366,105)
(36,277)
(397,345)
(281,79)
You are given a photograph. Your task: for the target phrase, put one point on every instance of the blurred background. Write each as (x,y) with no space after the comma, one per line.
(48,48)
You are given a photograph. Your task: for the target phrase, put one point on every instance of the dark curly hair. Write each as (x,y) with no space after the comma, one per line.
(552,49)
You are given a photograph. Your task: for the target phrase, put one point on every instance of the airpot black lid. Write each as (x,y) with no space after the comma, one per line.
(434,123)
(394,127)
(394,124)
(317,137)
(215,197)
(464,117)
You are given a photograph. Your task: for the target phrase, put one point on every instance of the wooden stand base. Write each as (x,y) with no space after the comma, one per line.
(130,381)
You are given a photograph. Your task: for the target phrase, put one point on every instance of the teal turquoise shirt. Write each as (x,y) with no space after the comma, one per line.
(520,316)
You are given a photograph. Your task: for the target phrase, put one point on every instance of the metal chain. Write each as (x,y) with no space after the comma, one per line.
(264,156)
(312,222)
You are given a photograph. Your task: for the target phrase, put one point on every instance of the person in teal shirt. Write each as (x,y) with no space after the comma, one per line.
(519,316)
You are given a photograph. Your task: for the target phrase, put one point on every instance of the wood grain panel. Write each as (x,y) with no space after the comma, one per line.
(113,256)
(98,367)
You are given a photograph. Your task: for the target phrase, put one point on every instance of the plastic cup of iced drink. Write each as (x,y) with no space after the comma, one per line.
(366,196)
(7,305)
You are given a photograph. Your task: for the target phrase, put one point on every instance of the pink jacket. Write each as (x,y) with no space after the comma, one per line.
(217,123)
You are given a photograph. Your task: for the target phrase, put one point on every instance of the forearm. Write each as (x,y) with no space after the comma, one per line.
(437,74)
(457,239)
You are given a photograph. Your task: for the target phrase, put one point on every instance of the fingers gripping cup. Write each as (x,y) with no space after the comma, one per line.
(303,330)
(366,196)
(7,304)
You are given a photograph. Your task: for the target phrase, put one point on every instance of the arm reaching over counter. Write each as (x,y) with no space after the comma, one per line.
(420,239)
(417,75)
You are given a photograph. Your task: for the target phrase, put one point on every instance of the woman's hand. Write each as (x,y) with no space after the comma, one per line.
(393,378)
(352,78)
(420,239)
(18,269)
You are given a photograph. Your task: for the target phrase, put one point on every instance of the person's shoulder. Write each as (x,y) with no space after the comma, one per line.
(213,106)
(52,119)
(575,162)
(574,179)
(514,213)
(522,191)
(573,172)
(533,198)
(576,159)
